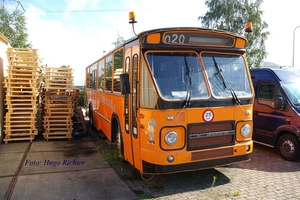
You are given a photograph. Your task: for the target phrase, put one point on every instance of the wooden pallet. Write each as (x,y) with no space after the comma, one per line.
(58,135)
(24,64)
(21,101)
(57,124)
(21,137)
(22,91)
(20,131)
(20,115)
(16,97)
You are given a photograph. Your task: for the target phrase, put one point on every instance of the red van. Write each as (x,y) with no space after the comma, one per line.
(276,111)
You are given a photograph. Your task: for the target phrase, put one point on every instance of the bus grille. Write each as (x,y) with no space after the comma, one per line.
(210,134)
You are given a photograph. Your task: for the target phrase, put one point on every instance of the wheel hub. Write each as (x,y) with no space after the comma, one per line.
(288,148)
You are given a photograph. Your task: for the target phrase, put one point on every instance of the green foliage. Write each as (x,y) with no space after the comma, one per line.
(118,58)
(232,15)
(81,99)
(108,68)
(119,40)
(13,27)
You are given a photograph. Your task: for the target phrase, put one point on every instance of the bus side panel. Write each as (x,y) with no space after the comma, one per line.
(105,107)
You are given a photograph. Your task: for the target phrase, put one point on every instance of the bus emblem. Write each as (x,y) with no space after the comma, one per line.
(208,115)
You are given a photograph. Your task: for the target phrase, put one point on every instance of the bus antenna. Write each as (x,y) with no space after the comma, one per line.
(132,21)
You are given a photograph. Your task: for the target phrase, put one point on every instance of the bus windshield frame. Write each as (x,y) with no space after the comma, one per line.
(177,74)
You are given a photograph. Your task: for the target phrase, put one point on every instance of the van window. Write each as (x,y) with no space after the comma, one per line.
(268,93)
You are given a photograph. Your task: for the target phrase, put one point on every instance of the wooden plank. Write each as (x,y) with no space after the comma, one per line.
(20,106)
(19,124)
(25,60)
(20,115)
(59,81)
(52,128)
(56,105)
(27,101)
(6,140)
(20,119)
(55,114)
(19,80)
(49,137)
(58,90)
(21,132)
(57,124)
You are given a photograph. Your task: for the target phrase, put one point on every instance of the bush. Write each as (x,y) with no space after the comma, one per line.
(81,99)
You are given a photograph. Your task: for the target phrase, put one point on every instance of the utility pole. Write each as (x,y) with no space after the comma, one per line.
(294,46)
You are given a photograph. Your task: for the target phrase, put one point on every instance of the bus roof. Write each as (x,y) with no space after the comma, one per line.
(143,33)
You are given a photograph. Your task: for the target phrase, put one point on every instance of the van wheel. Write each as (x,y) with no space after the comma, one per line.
(288,147)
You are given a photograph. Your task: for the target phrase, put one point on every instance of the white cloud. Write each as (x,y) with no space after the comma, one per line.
(79,38)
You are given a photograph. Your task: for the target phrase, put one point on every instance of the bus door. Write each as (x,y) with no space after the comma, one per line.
(130,108)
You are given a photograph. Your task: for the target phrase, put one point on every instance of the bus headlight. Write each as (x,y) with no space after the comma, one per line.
(171,138)
(246,130)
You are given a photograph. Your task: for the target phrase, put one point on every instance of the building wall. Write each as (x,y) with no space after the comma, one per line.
(4,44)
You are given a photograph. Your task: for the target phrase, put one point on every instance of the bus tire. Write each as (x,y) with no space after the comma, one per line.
(119,139)
(288,147)
(120,147)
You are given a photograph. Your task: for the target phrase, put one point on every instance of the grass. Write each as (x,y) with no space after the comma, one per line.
(214,194)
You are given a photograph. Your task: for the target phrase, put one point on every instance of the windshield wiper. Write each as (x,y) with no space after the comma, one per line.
(219,72)
(235,99)
(188,93)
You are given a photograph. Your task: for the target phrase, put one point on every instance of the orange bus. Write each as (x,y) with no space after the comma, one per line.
(175,99)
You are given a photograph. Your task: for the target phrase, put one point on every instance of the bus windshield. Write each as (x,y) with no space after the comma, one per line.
(227,75)
(179,74)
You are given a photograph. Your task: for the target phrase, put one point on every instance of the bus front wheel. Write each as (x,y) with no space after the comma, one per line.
(288,147)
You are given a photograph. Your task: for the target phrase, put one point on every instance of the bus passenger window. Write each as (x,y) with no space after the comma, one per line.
(118,69)
(108,73)
(101,75)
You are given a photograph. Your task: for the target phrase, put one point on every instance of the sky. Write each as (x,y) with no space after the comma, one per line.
(78,32)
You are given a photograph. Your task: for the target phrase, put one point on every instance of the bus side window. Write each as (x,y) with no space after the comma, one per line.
(108,73)
(118,69)
(101,75)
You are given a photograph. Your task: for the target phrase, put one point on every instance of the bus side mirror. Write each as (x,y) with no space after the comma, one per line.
(125,86)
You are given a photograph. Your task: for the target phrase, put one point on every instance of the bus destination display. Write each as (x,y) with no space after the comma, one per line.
(197,39)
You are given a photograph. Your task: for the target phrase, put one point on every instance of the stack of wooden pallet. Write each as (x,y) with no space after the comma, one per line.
(58,103)
(21,84)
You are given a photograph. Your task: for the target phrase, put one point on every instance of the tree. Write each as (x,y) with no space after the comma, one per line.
(13,27)
(119,40)
(232,15)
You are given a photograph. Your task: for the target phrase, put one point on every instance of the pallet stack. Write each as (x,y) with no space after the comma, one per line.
(58,103)
(22,93)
